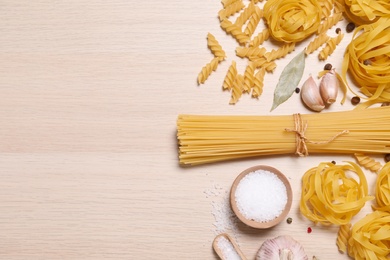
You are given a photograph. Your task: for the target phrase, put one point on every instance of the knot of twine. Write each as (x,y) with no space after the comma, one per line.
(301,139)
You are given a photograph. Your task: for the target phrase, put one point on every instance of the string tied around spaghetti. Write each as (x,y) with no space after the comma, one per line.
(301,139)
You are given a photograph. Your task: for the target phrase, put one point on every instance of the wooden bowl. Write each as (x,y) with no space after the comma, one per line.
(251,222)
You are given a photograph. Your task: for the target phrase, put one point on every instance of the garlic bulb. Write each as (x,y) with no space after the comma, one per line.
(281,248)
(310,95)
(329,86)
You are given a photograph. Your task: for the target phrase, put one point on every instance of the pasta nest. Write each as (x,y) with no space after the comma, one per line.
(333,194)
(370,237)
(291,20)
(382,189)
(363,11)
(367,59)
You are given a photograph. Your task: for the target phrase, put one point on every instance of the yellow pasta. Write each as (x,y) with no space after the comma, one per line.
(249,77)
(250,52)
(316,43)
(244,15)
(263,63)
(259,38)
(363,12)
(326,7)
(291,20)
(206,139)
(237,90)
(235,31)
(215,47)
(382,189)
(230,77)
(207,70)
(343,236)
(330,46)
(329,22)
(254,20)
(230,10)
(370,237)
(258,83)
(331,196)
(281,52)
(367,59)
(226,3)
(368,162)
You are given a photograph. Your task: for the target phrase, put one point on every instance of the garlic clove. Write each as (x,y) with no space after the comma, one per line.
(329,86)
(281,248)
(310,95)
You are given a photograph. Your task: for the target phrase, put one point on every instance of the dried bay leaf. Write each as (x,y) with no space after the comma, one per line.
(289,79)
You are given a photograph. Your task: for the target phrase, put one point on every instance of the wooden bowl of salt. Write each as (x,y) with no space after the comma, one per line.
(261,196)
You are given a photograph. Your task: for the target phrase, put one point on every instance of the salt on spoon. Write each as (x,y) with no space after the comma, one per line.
(226,248)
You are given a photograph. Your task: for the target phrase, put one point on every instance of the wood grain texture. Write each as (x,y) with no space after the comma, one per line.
(90,93)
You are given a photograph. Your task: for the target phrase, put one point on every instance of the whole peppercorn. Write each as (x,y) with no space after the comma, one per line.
(297,90)
(367,62)
(387,157)
(334,162)
(385,104)
(289,220)
(328,66)
(355,100)
(350,27)
(338,30)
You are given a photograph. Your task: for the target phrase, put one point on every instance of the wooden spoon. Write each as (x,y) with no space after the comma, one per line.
(218,250)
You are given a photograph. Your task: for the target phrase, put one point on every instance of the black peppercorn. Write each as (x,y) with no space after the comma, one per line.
(338,30)
(289,220)
(334,162)
(328,66)
(355,100)
(297,90)
(387,157)
(367,62)
(350,27)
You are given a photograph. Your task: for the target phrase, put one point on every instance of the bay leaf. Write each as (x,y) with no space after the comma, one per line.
(289,79)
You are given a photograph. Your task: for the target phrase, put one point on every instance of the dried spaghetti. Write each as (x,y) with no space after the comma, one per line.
(205,139)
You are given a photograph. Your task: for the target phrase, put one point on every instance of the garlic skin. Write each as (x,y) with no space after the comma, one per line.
(281,248)
(310,95)
(329,86)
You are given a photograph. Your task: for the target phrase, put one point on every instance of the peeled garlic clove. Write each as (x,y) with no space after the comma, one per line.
(281,248)
(310,95)
(329,86)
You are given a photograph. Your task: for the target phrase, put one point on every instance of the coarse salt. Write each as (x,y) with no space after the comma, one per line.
(227,249)
(261,196)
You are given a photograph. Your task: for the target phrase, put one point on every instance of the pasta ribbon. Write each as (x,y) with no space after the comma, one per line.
(235,31)
(367,59)
(281,52)
(260,38)
(382,189)
(368,162)
(258,83)
(230,77)
(208,69)
(330,46)
(215,47)
(331,196)
(316,43)
(364,12)
(291,20)
(370,237)
(326,7)
(343,235)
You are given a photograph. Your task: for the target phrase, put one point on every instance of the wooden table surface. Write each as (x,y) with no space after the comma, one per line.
(90,94)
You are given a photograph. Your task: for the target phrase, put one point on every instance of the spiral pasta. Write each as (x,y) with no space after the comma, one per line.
(370,237)
(316,43)
(382,189)
(250,52)
(237,90)
(330,196)
(329,22)
(326,7)
(208,69)
(235,31)
(368,162)
(269,66)
(230,77)
(291,20)
(230,10)
(254,20)
(281,52)
(330,46)
(226,3)
(259,38)
(258,83)
(215,47)
(244,15)
(249,76)
(343,235)
(367,58)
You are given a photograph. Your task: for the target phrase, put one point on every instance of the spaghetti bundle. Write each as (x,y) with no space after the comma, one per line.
(367,59)
(205,139)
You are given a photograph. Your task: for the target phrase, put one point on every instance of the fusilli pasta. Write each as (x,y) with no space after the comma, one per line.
(245,14)
(281,52)
(368,162)
(237,89)
(326,7)
(226,3)
(253,21)
(342,237)
(330,46)
(235,31)
(215,47)
(316,43)
(259,38)
(269,66)
(230,77)
(208,69)
(230,10)
(250,52)
(258,83)
(329,22)
(249,76)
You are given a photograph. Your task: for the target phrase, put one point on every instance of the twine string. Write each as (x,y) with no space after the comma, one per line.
(301,139)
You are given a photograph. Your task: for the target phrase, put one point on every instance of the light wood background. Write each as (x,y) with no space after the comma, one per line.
(89,96)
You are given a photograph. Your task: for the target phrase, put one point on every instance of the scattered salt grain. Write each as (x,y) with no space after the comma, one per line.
(227,249)
(261,196)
